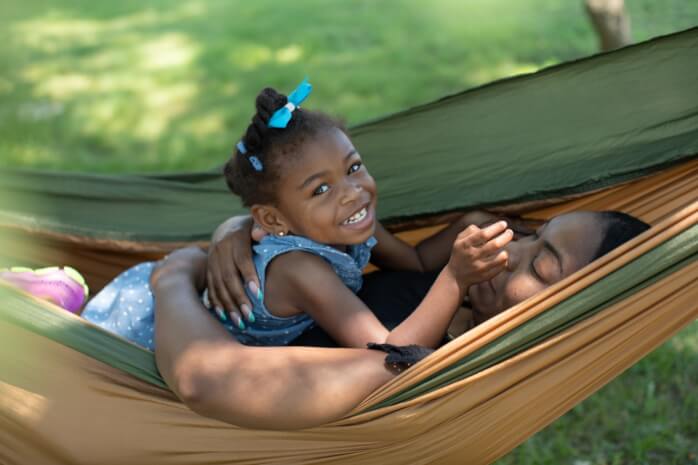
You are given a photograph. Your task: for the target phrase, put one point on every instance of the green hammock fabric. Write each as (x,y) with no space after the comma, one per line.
(569,128)
(636,275)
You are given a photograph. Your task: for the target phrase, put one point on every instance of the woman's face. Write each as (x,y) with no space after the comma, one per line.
(560,247)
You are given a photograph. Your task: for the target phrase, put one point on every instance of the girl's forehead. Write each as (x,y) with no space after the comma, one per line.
(328,141)
(322,155)
(325,150)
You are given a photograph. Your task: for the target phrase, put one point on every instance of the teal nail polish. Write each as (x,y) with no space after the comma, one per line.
(220,313)
(241,325)
(256,291)
(247,312)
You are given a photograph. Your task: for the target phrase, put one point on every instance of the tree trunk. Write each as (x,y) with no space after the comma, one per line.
(610,21)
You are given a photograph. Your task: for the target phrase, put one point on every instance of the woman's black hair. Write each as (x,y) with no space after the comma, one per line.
(618,228)
(272,147)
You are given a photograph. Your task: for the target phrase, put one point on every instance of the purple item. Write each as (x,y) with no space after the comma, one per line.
(64,287)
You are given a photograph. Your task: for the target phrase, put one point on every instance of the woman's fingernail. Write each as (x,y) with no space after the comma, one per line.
(241,324)
(220,313)
(256,291)
(247,312)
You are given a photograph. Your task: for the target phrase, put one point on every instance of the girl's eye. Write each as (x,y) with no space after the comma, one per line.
(321,189)
(356,166)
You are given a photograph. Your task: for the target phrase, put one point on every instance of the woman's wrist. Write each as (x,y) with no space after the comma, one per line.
(181,267)
(235,224)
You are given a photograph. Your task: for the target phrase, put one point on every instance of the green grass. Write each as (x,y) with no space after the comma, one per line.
(167,85)
(648,415)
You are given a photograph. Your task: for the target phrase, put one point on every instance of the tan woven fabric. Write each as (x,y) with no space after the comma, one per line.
(58,406)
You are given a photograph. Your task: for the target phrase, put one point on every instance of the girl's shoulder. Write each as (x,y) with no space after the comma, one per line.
(348,265)
(355,256)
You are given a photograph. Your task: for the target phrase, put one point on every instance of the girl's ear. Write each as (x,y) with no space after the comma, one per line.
(270,219)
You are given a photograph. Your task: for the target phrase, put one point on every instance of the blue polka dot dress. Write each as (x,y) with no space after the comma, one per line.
(126,306)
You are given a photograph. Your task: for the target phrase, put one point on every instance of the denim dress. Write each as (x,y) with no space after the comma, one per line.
(126,305)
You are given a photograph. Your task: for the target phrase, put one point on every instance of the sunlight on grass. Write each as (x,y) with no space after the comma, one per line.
(502,70)
(60,87)
(54,30)
(250,56)
(99,82)
(290,54)
(206,125)
(168,51)
(689,341)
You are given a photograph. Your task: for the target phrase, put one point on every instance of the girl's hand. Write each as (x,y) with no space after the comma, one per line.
(477,253)
(521,227)
(230,269)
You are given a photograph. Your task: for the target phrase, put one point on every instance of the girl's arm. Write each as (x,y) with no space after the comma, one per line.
(307,283)
(392,253)
(253,387)
(432,253)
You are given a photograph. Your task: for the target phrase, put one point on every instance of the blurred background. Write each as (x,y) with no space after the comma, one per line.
(169,85)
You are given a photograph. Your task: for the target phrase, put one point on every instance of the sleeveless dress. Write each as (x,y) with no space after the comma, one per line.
(126,305)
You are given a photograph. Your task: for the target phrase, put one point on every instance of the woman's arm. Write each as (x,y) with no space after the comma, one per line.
(254,387)
(230,268)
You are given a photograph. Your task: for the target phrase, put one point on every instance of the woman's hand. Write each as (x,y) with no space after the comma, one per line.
(190,262)
(477,253)
(230,269)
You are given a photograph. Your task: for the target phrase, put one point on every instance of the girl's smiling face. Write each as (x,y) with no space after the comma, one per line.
(325,194)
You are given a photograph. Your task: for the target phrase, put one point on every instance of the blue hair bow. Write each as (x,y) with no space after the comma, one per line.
(282,116)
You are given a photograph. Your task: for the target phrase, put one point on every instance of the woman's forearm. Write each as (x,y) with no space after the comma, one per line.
(256,387)
(231,224)
(181,326)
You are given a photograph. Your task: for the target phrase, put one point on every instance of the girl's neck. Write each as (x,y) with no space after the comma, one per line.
(341,247)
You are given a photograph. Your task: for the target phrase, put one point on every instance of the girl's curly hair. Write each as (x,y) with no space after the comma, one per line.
(273,148)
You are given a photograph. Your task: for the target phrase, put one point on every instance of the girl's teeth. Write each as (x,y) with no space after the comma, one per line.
(356,217)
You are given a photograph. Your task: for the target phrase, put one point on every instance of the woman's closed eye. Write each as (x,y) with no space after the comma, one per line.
(545,268)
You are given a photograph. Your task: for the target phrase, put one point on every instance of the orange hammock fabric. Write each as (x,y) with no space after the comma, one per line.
(60,406)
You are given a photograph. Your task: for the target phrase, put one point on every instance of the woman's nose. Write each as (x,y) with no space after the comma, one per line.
(513,249)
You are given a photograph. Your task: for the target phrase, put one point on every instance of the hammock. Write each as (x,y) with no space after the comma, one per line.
(72,393)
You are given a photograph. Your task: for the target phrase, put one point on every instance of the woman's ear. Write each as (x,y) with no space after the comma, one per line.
(270,219)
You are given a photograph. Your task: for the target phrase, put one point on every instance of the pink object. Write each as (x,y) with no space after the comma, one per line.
(64,287)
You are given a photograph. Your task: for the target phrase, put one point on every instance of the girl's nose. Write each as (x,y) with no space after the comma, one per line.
(352,191)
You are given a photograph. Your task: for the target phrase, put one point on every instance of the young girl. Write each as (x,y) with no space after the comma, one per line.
(306,186)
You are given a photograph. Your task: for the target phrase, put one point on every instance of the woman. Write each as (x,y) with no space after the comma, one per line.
(296,387)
